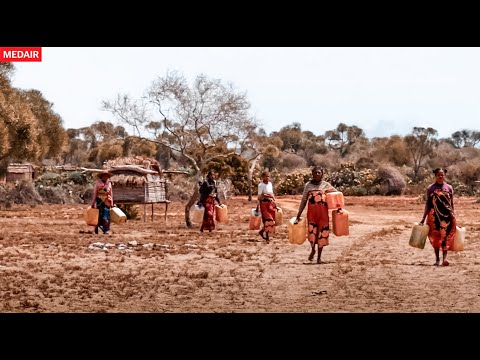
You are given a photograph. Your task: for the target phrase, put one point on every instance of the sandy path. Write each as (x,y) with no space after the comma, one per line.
(48,264)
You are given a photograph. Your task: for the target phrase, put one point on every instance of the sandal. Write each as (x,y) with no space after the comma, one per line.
(261,233)
(445,263)
(312,254)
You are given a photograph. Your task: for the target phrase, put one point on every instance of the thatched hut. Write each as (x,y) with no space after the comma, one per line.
(139,161)
(391,180)
(136,185)
(18,172)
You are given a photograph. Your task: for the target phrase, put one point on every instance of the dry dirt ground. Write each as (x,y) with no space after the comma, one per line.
(51,262)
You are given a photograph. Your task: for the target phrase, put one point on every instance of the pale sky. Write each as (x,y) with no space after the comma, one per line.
(384,91)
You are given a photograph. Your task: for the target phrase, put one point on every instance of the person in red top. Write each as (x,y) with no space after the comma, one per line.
(103,200)
(440,215)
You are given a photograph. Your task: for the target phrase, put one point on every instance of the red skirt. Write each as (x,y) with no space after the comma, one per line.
(268,208)
(317,218)
(209,214)
(441,237)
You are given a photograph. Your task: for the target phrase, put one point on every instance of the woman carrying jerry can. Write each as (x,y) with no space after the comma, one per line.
(103,200)
(208,196)
(314,193)
(267,206)
(439,212)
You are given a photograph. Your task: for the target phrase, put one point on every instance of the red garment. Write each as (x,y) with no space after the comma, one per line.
(103,201)
(103,190)
(440,218)
(317,217)
(268,208)
(209,214)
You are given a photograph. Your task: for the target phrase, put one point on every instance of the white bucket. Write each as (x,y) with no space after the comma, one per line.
(459,239)
(255,220)
(278,216)
(117,215)
(197,216)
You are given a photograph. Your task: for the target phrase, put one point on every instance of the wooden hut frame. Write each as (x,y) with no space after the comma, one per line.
(18,172)
(136,185)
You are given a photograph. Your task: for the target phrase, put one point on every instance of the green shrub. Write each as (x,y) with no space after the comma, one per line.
(78,178)
(132,211)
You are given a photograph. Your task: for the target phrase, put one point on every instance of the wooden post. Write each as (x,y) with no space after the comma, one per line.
(145,201)
(166,199)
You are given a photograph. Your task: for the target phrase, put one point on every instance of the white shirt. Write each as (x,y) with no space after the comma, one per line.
(265,188)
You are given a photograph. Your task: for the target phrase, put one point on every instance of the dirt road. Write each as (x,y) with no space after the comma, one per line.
(51,262)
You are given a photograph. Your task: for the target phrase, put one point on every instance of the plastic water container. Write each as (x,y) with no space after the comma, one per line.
(91,216)
(197,215)
(418,237)
(221,214)
(297,233)
(340,222)
(459,239)
(278,216)
(255,220)
(117,215)
(335,200)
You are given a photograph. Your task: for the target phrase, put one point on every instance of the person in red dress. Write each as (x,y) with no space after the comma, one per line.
(314,193)
(208,196)
(267,205)
(440,215)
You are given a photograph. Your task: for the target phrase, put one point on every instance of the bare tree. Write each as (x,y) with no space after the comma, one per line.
(257,146)
(343,137)
(421,144)
(197,120)
(464,138)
